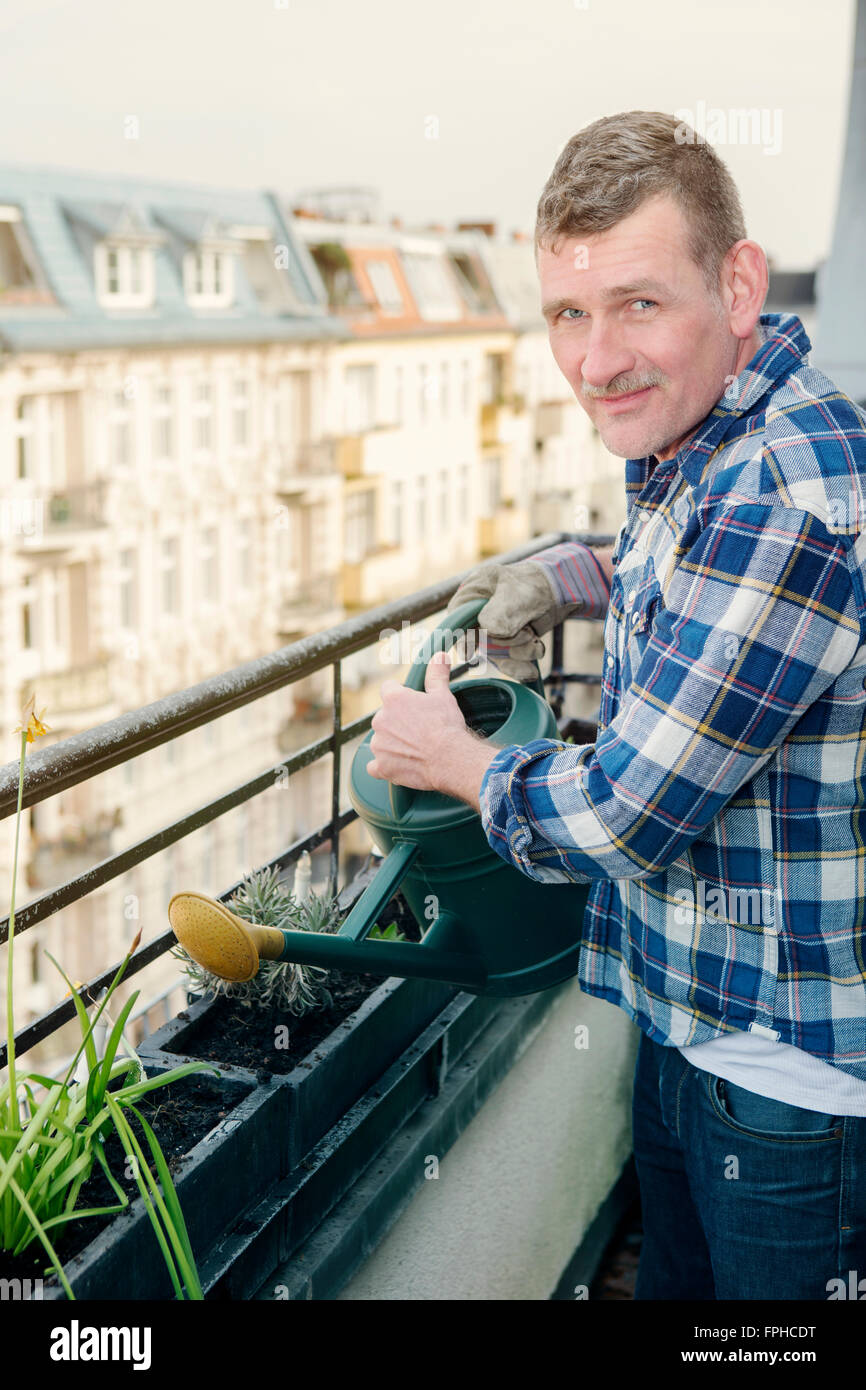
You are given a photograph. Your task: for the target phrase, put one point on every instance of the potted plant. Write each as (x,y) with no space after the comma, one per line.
(54,1132)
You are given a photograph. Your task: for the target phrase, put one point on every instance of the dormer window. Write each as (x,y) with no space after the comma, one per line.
(209,278)
(124,275)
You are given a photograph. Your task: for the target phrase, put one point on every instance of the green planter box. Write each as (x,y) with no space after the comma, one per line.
(223,1175)
(336,1072)
(297,1205)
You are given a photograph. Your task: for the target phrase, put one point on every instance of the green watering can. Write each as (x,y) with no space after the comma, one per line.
(486,926)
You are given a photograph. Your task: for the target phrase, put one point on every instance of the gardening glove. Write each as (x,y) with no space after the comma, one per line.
(529,598)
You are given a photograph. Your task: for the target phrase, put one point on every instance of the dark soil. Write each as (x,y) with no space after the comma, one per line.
(240,1033)
(180,1115)
(243,1034)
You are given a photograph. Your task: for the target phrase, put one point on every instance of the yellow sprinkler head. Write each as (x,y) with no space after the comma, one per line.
(220,941)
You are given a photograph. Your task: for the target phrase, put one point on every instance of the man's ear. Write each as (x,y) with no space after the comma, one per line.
(745,281)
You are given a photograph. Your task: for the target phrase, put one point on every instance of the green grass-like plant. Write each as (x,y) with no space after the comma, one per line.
(52,1135)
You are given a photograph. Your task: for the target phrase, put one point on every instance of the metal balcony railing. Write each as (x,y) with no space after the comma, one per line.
(52,770)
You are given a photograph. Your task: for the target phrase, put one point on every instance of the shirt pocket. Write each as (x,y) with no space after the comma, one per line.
(643,599)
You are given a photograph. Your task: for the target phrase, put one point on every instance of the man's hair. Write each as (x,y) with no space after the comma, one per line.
(608,169)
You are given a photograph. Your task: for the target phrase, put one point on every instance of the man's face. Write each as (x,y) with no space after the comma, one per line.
(628,310)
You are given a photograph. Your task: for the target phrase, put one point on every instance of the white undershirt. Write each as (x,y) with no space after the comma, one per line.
(780,1071)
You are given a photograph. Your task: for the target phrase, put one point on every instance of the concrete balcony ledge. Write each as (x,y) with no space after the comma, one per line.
(501,1179)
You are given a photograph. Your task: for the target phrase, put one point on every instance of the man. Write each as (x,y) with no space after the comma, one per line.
(721,812)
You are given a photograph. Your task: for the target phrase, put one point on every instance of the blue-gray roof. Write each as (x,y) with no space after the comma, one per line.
(66,212)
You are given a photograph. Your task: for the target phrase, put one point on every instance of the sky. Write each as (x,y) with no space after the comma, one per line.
(451,109)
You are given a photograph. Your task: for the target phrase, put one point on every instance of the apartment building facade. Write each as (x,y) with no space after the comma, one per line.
(226,425)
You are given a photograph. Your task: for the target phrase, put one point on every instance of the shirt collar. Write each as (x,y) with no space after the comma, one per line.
(784,348)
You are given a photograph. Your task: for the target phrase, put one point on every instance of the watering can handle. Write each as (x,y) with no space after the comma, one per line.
(443,639)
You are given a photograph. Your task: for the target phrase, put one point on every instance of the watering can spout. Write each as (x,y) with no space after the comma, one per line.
(233,949)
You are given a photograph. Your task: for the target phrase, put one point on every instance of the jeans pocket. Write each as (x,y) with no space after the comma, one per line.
(771,1119)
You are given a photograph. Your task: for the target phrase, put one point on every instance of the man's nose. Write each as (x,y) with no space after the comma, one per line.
(606,356)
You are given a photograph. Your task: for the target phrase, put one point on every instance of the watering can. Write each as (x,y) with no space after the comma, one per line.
(486,926)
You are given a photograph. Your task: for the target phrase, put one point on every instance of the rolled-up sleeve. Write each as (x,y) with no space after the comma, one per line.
(759,618)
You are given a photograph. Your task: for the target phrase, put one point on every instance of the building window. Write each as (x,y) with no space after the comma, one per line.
(463,494)
(202,416)
(398,395)
(360,524)
(21,280)
(208,278)
(385,287)
(473,281)
(120,427)
(492,485)
(169,569)
(359,398)
(38,436)
(443,498)
(396,528)
(124,275)
(54,606)
(29,630)
(421,507)
(163,422)
(433,286)
(466,387)
(423,390)
(128,589)
(244,554)
(493,380)
(241,413)
(444,385)
(112,262)
(209,569)
(25,414)
(335,267)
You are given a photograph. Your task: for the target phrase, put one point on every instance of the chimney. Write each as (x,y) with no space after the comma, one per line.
(397,222)
(306,212)
(488,228)
(519,236)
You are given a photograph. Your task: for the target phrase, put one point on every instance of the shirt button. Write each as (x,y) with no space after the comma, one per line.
(634,617)
(609,662)
(631,597)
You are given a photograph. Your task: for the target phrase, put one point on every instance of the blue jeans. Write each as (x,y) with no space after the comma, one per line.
(743,1196)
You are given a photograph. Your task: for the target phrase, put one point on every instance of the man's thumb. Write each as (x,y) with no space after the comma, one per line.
(438,672)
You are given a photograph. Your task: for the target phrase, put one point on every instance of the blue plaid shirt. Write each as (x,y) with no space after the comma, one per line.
(721,812)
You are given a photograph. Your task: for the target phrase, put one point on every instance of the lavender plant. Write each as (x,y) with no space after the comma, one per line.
(264,899)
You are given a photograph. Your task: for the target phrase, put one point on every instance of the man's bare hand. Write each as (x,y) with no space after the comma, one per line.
(420,738)
(414,729)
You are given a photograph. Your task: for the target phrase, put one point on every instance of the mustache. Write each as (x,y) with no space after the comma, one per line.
(623,386)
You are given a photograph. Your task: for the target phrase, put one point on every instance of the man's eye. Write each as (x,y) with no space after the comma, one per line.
(570,311)
(644,301)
